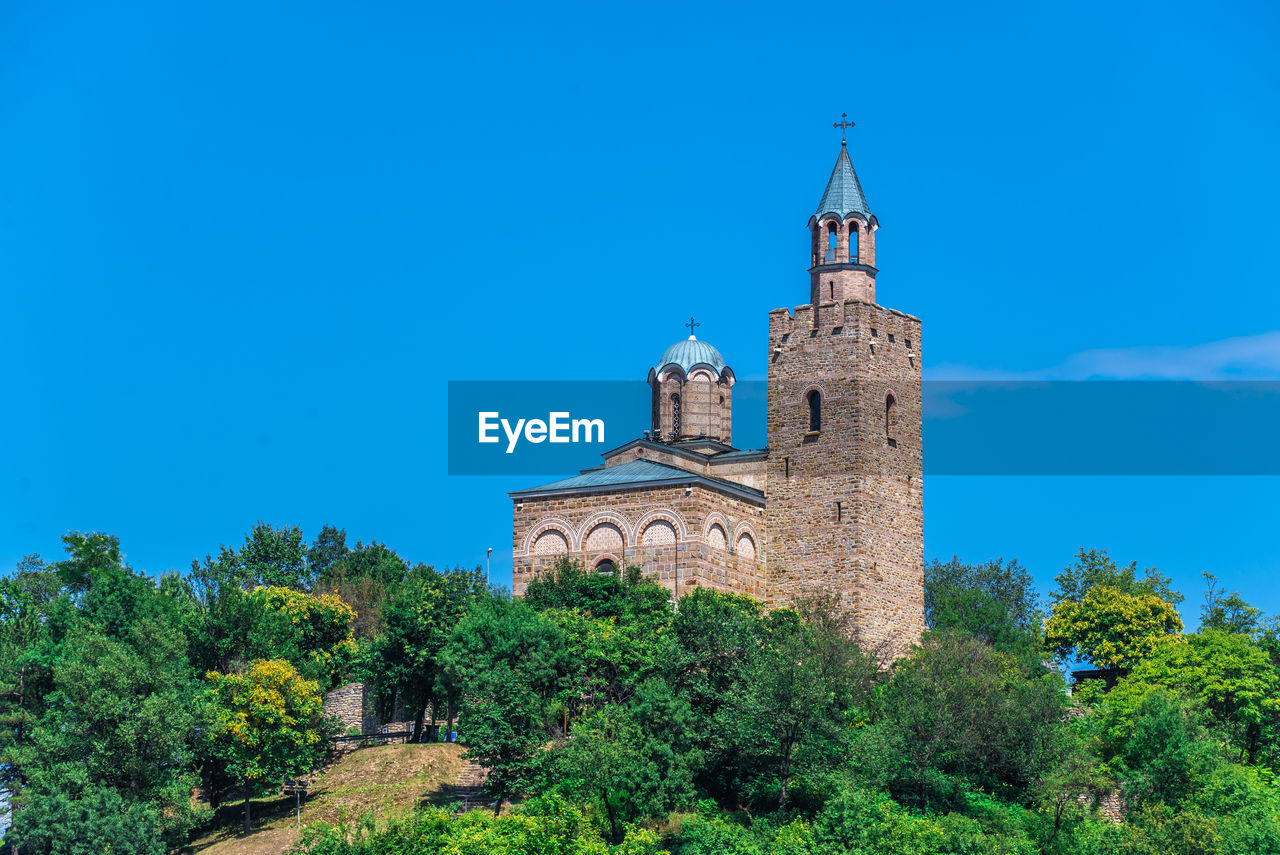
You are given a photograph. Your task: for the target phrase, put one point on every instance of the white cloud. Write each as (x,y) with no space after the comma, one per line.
(1255,357)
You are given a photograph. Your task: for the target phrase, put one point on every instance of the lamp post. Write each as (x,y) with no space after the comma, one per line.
(487,556)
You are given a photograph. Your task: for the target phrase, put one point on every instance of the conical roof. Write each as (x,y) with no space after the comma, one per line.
(843,195)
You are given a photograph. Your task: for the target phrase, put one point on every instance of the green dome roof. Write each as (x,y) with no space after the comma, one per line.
(689,353)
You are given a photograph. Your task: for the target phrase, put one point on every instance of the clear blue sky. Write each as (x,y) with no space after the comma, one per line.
(243,246)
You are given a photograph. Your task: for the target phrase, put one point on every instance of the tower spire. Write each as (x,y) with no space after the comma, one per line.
(842,264)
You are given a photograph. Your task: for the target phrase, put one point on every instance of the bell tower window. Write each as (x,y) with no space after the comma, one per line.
(815,410)
(853,243)
(831,243)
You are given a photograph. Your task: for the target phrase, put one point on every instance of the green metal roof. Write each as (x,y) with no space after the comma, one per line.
(636,472)
(843,195)
(689,353)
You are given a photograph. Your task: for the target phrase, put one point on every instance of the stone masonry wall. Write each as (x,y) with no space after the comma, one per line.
(845,504)
(353,704)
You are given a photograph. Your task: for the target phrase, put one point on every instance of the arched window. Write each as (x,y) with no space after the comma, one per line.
(853,243)
(889,403)
(606,565)
(831,242)
(815,409)
(675,415)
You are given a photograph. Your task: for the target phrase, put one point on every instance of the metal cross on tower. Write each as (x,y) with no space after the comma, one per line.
(692,323)
(842,124)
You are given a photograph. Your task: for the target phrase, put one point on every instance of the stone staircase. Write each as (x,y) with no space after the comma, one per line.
(468,787)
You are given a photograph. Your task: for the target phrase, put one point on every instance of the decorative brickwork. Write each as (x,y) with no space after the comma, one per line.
(680,557)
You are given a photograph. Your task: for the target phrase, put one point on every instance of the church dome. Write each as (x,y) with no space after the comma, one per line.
(689,353)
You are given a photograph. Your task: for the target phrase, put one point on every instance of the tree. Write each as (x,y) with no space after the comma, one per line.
(607,762)
(329,547)
(790,708)
(311,632)
(364,577)
(504,724)
(1110,627)
(1228,612)
(957,714)
(119,714)
(93,821)
(504,662)
(265,725)
(1094,568)
(1165,751)
(994,601)
(1224,673)
(220,623)
(275,556)
(420,620)
(570,585)
(28,651)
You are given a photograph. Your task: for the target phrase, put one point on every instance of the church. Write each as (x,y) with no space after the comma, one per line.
(832,505)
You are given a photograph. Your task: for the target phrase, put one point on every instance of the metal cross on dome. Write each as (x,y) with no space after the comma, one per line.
(692,323)
(842,124)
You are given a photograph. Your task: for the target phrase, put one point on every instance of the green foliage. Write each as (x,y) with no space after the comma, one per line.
(1228,612)
(420,618)
(264,725)
(546,825)
(275,556)
(29,648)
(603,710)
(312,632)
(993,601)
(329,547)
(570,585)
(503,662)
(1110,627)
(364,577)
(626,773)
(95,821)
(958,715)
(119,714)
(865,821)
(1223,673)
(1165,750)
(1094,568)
(792,709)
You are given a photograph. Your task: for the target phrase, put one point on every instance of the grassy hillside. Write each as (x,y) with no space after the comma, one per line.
(387,780)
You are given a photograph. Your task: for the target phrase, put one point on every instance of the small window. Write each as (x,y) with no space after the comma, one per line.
(831,243)
(606,566)
(853,243)
(889,403)
(815,410)
(873,332)
(907,342)
(890,338)
(675,415)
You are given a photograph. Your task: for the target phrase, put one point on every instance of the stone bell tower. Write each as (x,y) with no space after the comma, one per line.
(845,502)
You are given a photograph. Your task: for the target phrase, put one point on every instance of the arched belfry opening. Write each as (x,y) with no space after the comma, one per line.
(692,392)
